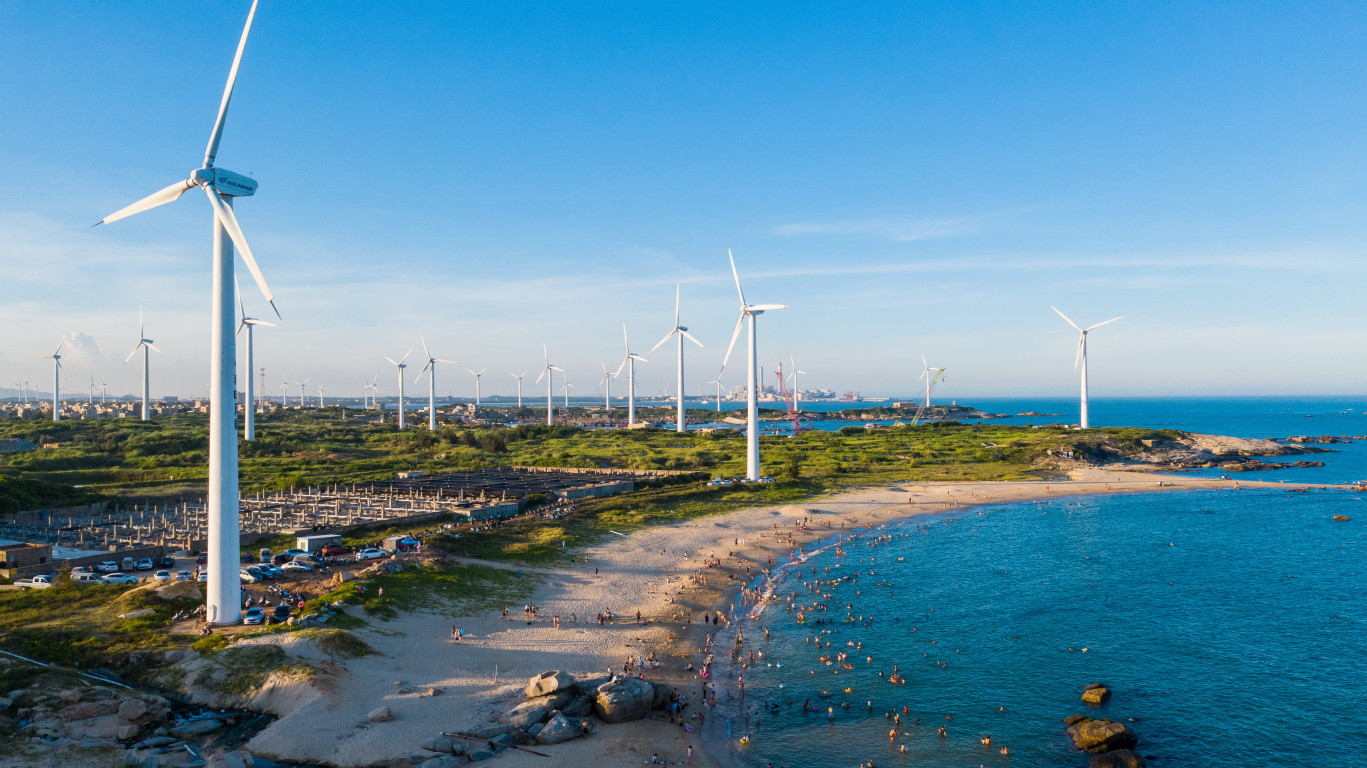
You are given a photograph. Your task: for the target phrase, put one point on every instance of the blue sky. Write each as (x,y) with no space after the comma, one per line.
(911,178)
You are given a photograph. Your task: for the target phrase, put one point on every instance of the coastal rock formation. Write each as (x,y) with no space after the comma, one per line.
(1102,735)
(380,715)
(558,729)
(535,711)
(630,698)
(1096,693)
(547,683)
(1120,758)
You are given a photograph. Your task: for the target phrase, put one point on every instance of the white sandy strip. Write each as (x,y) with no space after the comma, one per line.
(642,571)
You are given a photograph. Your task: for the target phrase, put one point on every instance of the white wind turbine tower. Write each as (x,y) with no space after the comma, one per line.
(931,375)
(284,389)
(223,604)
(606,381)
(369,391)
(629,362)
(548,373)
(104,393)
(249,402)
(519,376)
(751,311)
(477,374)
(682,333)
(301,391)
(321,390)
(56,359)
(718,383)
(797,399)
(90,394)
(1081,357)
(144,344)
(431,385)
(399,366)
(565,387)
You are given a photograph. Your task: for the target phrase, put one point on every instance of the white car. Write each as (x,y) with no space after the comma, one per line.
(274,571)
(144,564)
(294,566)
(203,577)
(162,575)
(119,578)
(371,554)
(184,576)
(108,566)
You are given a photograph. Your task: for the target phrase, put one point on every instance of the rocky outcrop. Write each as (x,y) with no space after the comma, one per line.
(1102,735)
(547,683)
(558,729)
(1120,758)
(1096,694)
(380,715)
(630,698)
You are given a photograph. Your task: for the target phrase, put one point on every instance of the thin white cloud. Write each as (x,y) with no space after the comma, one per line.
(899,230)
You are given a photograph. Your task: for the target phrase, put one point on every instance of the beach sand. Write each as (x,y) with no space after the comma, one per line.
(646,571)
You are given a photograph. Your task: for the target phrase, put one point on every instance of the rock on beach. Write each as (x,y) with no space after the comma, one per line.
(1102,736)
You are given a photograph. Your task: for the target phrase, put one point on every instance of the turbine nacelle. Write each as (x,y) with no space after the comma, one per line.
(225,182)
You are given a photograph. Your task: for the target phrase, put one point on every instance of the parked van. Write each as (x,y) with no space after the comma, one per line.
(85,578)
(128,565)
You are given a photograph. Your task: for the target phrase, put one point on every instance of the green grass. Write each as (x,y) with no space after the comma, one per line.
(457,590)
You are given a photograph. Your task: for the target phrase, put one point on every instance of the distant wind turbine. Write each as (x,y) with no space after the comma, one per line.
(301,391)
(519,376)
(548,373)
(797,398)
(398,367)
(249,402)
(565,387)
(56,358)
(144,344)
(682,333)
(752,311)
(931,376)
(718,383)
(1081,357)
(321,390)
(629,362)
(606,381)
(477,374)
(431,383)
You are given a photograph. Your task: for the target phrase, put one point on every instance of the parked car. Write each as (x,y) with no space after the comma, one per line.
(256,570)
(247,578)
(86,578)
(293,552)
(274,570)
(166,561)
(184,576)
(202,558)
(254,615)
(248,557)
(37,582)
(119,578)
(162,576)
(144,564)
(108,566)
(310,559)
(294,566)
(335,549)
(281,613)
(202,577)
(281,559)
(371,554)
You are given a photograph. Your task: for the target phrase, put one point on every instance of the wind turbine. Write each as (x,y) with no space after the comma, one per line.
(682,333)
(144,344)
(606,381)
(284,388)
(477,374)
(519,376)
(104,393)
(90,395)
(931,376)
(629,362)
(718,383)
(751,311)
(1081,356)
(565,387)
(399,366)
(56,358)
(223,604)
(249,402)
(321,390)
(301,391)
(431,385)
(548,373)
(797,406)
(370,390)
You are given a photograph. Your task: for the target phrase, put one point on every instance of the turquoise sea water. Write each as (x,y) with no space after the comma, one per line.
(1231,626)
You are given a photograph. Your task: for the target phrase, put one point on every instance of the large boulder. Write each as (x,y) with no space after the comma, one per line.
(86,709)
(579,706)
(630,698)
(1096,693)
(239,759)
(380,715)
(447,745)
(547,683)
(1102,736)
(443,761)
(588,683)
(1120,758)
(529,712)
(558,729)
(132,709)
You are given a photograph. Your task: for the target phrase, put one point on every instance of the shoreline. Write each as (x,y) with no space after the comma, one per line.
(663,573)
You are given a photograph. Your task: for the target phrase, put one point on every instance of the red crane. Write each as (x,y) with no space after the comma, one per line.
(787,395)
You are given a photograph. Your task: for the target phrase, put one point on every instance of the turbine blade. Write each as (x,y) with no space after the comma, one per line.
(544,354)
(425,350)
(734,336)
(450,362)
(737,276)
(161,197)
(766,307)
(1081,342)
(666,338)
(481,371)
(676,305)
(620,367)
(406,354)
(229,222)
(689,336)
(541,376)
(237,288)
(390,359)
(240,326)
(553,368)
(212,150)
(130,354)
(254,321)
(625,342)
(1065,317)
(638,357)
(1108,322)
(154,349)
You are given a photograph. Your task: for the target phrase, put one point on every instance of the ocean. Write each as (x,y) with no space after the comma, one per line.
(1230,625)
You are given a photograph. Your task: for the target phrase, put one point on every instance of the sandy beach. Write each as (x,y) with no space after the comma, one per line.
(650,571)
